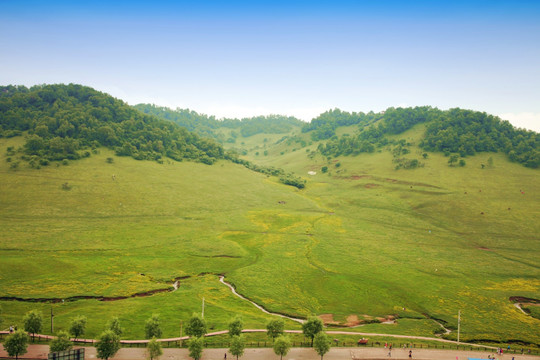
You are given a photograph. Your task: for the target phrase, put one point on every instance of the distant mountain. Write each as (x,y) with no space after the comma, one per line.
(208,126)
(71,121)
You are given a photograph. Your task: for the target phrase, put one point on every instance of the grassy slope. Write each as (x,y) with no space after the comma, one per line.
(364,239)
(162,221)
(417,239)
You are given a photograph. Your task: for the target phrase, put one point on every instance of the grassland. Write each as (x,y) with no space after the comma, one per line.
(362,240)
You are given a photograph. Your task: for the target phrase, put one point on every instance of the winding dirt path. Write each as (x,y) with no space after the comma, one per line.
(233,290)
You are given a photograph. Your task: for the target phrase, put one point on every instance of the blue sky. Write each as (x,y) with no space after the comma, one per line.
(243,58)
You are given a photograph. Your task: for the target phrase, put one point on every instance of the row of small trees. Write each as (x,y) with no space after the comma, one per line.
(108,342)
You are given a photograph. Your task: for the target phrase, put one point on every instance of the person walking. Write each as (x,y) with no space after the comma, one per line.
(410,354)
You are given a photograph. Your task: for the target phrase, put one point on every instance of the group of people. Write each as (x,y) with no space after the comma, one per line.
(389,347)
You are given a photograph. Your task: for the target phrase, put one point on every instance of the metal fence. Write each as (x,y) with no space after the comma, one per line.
(75,354)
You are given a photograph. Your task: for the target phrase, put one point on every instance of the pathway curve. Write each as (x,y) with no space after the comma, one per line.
(222,280)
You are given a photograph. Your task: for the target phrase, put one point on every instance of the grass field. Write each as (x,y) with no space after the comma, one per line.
(362,240)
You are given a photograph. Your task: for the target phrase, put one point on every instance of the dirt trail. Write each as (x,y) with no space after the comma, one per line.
(233,290)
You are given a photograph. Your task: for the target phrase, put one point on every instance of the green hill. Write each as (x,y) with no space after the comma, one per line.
(365,241)
(70,121)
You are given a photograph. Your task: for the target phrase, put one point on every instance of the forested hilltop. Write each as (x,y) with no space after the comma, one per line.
(205,125)
(455,132)
(67,122)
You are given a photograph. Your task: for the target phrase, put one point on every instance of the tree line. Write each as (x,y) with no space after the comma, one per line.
(108,344)
(207,126)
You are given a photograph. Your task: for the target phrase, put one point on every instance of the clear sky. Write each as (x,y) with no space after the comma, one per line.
(243,58)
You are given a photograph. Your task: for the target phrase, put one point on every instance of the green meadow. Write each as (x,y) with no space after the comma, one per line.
(361,243)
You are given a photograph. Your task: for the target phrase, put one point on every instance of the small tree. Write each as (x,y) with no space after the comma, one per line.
(78,326)
(238,345)
(61,343)
(108,344)
(453,159)
(462,162)
(235,327)
(114,325)
(153,349)
(275,328)
(321,344)
(33,321)
(196,326)
(282,345)
(152,327)
(312,327)
(195,347)
(16,344)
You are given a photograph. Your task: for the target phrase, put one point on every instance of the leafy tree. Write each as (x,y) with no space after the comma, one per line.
(108,344)
(321,344)
(282,345)
(16,343)
(78,326)
(61,342)
(235,327)
(462,162)
(114,325)
(275,328)
(152,327)
(196,326)
(195,347)
(312,327)
(154,349)
(237,346)
(453,159)
(33,321)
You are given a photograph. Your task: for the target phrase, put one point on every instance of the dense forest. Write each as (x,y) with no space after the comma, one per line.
(70,121)
(205,125)
(457,131)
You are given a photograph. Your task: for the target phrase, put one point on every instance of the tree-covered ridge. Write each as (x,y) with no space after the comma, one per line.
(65,120)
(199,123)
(459,131)
(324,126)
(468,132)
(205,125)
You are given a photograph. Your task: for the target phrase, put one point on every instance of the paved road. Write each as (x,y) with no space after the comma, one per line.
(336,353)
